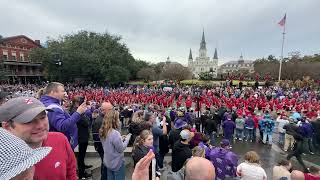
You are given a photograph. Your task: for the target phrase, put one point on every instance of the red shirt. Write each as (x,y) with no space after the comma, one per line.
(311,114)
(311,177)
(60,164)
(188,103)
(178,104)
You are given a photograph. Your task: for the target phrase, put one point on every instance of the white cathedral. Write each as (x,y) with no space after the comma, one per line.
(203,63)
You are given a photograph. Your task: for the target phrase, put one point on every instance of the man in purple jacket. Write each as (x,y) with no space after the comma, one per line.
(228,128)
(59,119)
(307,131)
(224,160)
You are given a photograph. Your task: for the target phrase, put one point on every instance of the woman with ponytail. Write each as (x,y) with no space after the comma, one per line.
(142,145)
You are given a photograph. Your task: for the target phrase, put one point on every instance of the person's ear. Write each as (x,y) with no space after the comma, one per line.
(6,126)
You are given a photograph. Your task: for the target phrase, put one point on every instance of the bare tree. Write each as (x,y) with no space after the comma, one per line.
(175,71)
(291,70)
(146,74)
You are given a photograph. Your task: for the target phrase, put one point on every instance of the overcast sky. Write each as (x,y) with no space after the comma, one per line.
(154,30)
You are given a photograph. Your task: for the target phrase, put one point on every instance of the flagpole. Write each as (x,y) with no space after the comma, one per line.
(283,36)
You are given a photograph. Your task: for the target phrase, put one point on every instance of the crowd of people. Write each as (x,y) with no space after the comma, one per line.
(199,124)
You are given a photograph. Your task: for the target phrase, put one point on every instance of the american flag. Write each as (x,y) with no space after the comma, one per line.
(283,20)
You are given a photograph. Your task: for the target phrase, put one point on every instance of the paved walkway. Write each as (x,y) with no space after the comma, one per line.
(270,155)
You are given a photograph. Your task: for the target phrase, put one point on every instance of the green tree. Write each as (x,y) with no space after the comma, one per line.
(87,55)
(117,74)
(205,76)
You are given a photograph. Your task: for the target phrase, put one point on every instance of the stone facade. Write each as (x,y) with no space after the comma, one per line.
(234,66)
(203,63)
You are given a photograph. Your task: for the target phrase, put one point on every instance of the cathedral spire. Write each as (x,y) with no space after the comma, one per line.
(215,56)
(190,54)
(241,60)
(203,48)
(203,38)
(241,57)
(203,41)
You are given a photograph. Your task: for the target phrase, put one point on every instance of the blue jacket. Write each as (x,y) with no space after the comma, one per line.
(267,125)
(61,121)
(249,123)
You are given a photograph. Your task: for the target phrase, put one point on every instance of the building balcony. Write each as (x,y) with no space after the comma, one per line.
(24,73)
(21,63)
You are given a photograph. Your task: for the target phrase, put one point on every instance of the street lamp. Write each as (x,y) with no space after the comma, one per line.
(57,59)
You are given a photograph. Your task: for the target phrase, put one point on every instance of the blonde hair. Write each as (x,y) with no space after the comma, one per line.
(198,152)
(137,117)
(40,93)
(141,138)
(110,121)
(252,157)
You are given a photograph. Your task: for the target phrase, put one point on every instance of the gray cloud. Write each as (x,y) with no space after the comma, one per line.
(154,29)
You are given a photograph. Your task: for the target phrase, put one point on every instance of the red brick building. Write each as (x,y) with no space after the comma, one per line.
(14,57)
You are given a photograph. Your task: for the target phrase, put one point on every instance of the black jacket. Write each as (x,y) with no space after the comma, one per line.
(211,125)
(138,153)
(204,119)
(316,127)
(293,129)
(180,153)
(234,116)
(221,112)
(164,139)
(163,144)
(83,129)
(174,136)
(96,126)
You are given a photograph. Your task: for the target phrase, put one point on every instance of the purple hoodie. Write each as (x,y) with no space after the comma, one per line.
(306,130)
(228,128)
(61,121)
(224,161)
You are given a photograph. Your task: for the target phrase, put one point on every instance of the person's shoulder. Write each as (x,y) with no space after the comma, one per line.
(114,133)
(231,153)
(262,171)
(215,150)
(55,139)
(156,128)
(57,136)
(242,164)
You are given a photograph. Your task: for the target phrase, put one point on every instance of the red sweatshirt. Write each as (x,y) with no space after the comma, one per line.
(60,164)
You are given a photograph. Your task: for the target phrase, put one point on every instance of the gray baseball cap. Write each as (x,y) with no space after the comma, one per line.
(185,134)
(21,109)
